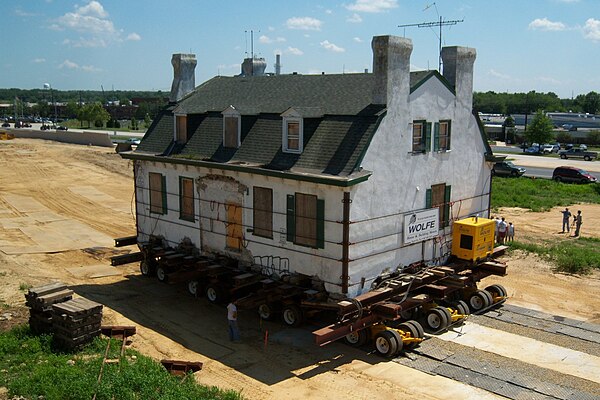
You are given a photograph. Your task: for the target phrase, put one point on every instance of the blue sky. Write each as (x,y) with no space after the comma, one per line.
(522,45)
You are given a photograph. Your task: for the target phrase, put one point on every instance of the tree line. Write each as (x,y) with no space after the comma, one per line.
(531,102)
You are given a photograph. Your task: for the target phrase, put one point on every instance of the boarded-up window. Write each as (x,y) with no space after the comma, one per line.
(181,128)
(186,199)
(158,193)
(263,212)
(439,196)
(306,220)
(230,132)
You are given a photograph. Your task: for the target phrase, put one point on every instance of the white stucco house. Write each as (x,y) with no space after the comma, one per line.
(340,176)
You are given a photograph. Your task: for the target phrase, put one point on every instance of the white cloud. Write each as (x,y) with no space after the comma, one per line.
(591,30)
(304,23)
(20,13)
(372,6)
(546,79)
(545,24)
(93,8)
(39,60)
(332,47)
(92,22)
(267,40)
(294,51)
(354,18)
(271,29)
(358,40)
(68,64)
(134,37)
(497,74)
(329,12)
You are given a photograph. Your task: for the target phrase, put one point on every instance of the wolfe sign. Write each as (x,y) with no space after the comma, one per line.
(420,226)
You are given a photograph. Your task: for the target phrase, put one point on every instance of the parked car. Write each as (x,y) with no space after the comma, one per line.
(578,153)
(6,125)
(62,128)
(131,140)
(532,150)
(572,174)
(507,168)
(549,148)
(583,146)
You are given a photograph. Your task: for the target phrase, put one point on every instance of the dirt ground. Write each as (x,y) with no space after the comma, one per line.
(61,204)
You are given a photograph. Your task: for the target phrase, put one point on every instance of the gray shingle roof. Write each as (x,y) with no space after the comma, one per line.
(339,121)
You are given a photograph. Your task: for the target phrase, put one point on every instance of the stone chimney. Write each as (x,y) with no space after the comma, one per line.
(458,70)
(391,68)
(184,78)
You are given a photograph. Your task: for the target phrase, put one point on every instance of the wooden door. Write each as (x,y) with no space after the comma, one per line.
(234,226)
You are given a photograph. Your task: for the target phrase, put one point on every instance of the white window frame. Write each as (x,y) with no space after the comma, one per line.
(231,112)
(286,121)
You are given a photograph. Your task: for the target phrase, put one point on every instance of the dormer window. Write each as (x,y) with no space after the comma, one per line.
(181,134)
(293,129)
(232,128)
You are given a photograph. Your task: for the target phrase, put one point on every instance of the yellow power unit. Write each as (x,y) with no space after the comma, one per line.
(473,238)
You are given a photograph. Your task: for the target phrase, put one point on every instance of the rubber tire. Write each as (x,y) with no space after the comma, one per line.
(462,307)
(496,289)
(357,338)
(448,315)
(192,288)
(147,269)
(558,179)
(418,328)
(399,342)
(214,294)
(489,296)
(587,158)
(564,157)
(493,172)
(479,300)
(265,311)
(410,327)
(292,315)
(514,174)
(161,274)
(386,344)
(436,319)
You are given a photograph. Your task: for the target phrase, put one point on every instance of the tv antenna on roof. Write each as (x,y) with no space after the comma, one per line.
(441,22)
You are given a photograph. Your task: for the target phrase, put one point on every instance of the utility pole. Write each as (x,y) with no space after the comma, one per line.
(440,24)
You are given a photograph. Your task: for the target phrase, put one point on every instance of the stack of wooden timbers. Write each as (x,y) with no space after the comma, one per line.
(53,310)
(40,300)
(76,322)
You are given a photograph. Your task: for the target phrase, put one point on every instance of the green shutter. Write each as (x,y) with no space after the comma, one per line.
(449,135)
(180,196)
(291,217)
(428,136)
(428,198)
(447,205)
(163,190)
(320,224)
(436,136)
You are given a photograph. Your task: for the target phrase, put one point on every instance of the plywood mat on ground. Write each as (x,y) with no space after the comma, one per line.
(97,196)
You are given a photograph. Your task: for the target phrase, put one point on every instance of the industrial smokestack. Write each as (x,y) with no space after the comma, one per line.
(277,64)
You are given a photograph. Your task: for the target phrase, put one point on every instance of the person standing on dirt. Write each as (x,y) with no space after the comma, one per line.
(234,330)
(502,228)
(511,232)
(578,222)
(566,215)
(497,222)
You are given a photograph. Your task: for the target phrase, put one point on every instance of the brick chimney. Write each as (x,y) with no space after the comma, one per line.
(458,70)
(391,68)
(184,78)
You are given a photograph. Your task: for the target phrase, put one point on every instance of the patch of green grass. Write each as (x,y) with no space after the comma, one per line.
(575,256)
(540,194)
(34,368)
(24,286)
